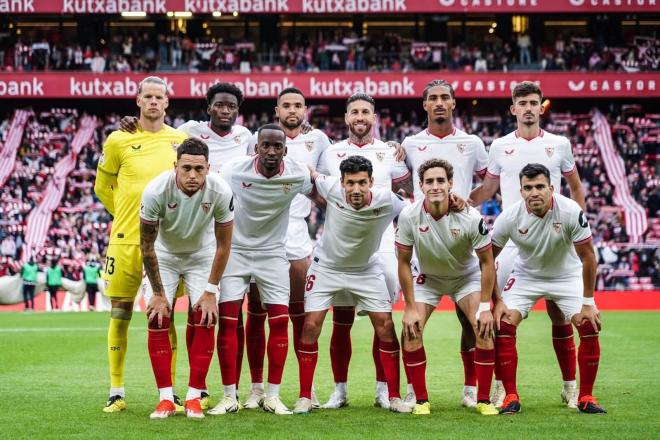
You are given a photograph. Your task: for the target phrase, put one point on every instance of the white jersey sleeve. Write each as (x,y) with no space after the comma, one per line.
(151,209)
(502,228)
(494,168)
(481,161)
(252,144)
(580,230)
(323,166)
(568,166)
(400,171)
(404,231)
(479,235)
(223,211)
(324,184)
(187,126)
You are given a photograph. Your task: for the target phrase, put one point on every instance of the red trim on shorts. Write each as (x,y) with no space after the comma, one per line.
(583,241)
(405,247)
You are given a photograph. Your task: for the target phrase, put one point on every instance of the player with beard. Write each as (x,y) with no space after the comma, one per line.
(304,146)
(467,155)
(226,141)
(388,173)
(508,155)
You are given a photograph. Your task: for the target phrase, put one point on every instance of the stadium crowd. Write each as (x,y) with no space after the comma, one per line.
(145,52)
(78,232)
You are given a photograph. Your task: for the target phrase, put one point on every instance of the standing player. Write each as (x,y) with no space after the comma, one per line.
(226,141)
(305,147)
(555,261)
(129,161)
(178,207)
(508,155)
(264,187)
(444,243)
(387,173)
(346,265)
(467,154)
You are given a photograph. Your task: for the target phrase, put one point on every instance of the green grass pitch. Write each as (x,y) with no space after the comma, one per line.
(54,380)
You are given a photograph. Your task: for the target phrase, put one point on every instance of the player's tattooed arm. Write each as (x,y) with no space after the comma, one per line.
(148,234)
(128,124)
(400,153)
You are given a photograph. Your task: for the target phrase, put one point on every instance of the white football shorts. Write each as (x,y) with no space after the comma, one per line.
(269,271)
(429,289)
(521,294)
(298,243)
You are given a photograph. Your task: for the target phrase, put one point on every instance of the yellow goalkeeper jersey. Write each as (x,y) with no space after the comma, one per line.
(130,161)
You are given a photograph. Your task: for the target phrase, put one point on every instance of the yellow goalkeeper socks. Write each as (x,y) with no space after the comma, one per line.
(117,344)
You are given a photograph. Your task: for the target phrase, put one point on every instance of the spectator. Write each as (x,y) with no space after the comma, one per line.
(8,247)
(524,46)
(98,63)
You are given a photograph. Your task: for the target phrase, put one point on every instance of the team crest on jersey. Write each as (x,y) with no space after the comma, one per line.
(423,229)
(204,136)
(510,152)
(557,227)
(309,145)
(455,232)
(549,151)
(172,205)
(206,207)
(106,284)
(461,148)
(523,231)
(341,155)
(423,148)
(102,159)
(377,211)
(237,139)
(380,156)
(286,187)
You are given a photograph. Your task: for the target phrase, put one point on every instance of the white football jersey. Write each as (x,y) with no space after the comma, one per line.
(222,149)
(546,245)
(443,246)
(262,204)
(184,221)
(386,168)
(509,154)
(351,237)
(465,152)
(306,148)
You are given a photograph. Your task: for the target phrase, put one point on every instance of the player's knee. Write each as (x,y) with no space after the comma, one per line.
(311,329)
(121,313)
(385,329)
(165,324)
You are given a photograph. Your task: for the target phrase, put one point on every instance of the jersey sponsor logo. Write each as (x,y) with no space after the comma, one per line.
(341,155)
(380,156)
(549,151)
(286,187)
(237,139)
(510,152)
(206,207)
(172,205)
(309,145)
(455,232)
(582,220)
(422,148)
(339,205)
(557,227)
(377,211)
(136,147)
(523,231)
(246,185)
(423,229)
(483,229)
(461,148)
(204,136)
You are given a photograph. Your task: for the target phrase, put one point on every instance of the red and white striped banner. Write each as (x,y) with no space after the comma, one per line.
(9,150)
(39,220)
(636,220)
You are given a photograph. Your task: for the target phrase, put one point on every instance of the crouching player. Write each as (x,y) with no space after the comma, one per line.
(177,209)
(346,270)
(556,262)
(443,241)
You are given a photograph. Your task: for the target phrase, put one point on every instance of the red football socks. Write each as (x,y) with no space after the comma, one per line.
(308,355)
(227,341)
(278,341)
(256,341)
(415,366)
(506,356)
(340,343)
(160,352)
(201,352)
(564,345)
(484,363)
(469,370)
(588,358)
(389,357)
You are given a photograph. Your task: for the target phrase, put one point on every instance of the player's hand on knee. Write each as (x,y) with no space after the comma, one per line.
(412,325)
(128,124)
(485,324)
(591,314)
(209,308)
(456,204)
(157,308)
(500,311)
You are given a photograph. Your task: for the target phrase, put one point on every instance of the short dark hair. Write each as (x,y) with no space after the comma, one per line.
(532,170)
(290,90)
(194,146)
(526,88)
(360,97)
(269,127)
(437,83)
(355,164)
(435,163)
(224,87)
